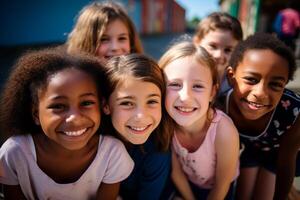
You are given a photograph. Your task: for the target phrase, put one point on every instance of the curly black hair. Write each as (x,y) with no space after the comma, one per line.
(30,74)
(263,41)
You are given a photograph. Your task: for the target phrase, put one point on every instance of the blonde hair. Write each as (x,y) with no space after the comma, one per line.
(91,24)
(188,49)
(219,20)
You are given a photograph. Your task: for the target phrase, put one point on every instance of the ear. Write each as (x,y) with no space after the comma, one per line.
(105,107)
(230,75)
(35,115)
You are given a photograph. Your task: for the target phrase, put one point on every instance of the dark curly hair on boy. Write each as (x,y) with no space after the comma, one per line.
(263,41)
(31,74)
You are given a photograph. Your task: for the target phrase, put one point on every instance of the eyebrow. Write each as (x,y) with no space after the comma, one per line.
(279,78)
(132,97)
(58,97)
(122,34)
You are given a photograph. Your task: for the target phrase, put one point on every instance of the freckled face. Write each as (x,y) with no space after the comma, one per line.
(258,83)
(68,110)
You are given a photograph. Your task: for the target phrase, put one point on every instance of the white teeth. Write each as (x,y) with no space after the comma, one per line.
(75,133)
(257,105)
(183,109)
(138,128)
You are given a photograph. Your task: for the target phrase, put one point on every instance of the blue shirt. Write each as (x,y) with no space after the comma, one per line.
(150,174)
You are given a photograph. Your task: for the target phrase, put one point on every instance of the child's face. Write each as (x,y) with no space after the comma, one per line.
(135,109)
(189,91)
(114,41)
(68,110)
(220,44)
(258,82)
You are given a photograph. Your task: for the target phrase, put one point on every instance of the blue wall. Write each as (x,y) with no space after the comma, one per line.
(26,22)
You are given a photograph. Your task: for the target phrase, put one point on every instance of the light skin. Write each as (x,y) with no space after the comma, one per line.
(135,109)
(189,91)
(68,113)
(220,44)
(114,41)
(258,85)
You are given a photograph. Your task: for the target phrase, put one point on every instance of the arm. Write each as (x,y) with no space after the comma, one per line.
(108,191)
(227,150)
(13,192)
(286,163)
(180,179)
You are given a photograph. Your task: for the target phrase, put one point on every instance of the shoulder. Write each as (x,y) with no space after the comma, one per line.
(15,144)
(226,129)
(106,141)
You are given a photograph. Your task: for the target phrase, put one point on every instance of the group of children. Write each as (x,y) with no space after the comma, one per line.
(100,120)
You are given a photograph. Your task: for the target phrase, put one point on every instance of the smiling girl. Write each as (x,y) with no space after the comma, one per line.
(50,108)
(266,115)
(136,91)
(105,30)
(205,143)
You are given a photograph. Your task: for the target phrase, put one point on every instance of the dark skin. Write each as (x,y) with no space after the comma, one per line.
(64,166)
(286,164)
(289,147)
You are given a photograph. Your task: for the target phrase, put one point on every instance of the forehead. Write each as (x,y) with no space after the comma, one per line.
(221,36)
(264,62)
(116,26)
(187,67)
(70,78)
(136,86)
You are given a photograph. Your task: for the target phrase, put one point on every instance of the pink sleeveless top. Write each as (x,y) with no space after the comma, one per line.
(200,166)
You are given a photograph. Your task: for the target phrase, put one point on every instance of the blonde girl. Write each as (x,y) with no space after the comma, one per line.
(205,145)
(105,30)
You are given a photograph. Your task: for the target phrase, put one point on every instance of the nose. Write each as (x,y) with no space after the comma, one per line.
(114,45)
(184,93)
(219,56)
(73,116)
(140,112)
(260,91)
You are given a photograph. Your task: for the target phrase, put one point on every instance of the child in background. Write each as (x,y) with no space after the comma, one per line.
(105,30)
(134,98)
(266,116)
(205,143)
(219,33)
(51,109)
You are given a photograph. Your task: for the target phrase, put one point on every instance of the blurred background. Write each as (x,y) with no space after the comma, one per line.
(33,24)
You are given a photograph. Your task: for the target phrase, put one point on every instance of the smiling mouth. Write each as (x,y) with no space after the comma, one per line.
(185,109)
(75,133)
(139,128)
(255,105)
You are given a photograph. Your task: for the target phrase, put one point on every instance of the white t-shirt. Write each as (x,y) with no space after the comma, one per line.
(18,166)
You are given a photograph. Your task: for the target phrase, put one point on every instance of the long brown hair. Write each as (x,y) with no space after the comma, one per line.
(91,24)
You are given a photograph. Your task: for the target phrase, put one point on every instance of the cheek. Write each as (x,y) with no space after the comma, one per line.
(101,50)
(157,114)
(170,96)
(127,47)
